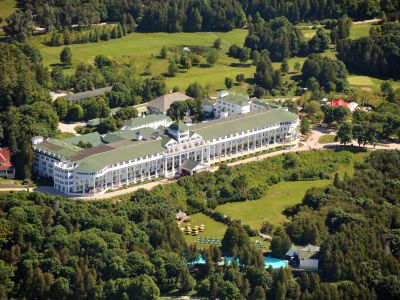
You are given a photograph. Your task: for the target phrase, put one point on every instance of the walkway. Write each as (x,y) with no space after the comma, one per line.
(70,128)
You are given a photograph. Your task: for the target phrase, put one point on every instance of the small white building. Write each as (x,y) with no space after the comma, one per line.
(230,104)
(352,106)
(307,256)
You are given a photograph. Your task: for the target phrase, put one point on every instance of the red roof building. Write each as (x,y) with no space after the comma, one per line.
(339,102)
(6,166)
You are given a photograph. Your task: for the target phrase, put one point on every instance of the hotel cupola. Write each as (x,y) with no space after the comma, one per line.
(179,130)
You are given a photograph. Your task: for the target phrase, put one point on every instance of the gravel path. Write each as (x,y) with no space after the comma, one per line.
(64,127)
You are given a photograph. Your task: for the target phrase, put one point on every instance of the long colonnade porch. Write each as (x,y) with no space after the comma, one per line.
(168,166)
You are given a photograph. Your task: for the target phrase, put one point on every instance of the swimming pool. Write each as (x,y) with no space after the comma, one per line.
(268,261)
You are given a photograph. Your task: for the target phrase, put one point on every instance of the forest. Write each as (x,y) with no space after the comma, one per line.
(53,247)
(194,15)
(376,55)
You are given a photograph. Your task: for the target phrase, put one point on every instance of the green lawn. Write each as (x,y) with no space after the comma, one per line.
(326,139)
(212,228)
(270,207)
(64,135)
(7,7)
(368,81)
(278,197)
(359,30)
(349,168)
(145,47)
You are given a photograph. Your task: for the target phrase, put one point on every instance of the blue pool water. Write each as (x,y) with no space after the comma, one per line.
(268,261)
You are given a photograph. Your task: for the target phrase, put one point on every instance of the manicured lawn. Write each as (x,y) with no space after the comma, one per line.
(212,228)
(359,30)
(368,81)
(326,139)
(271,206)
(278,197)
(360,80)
(64,135)
(144,48)
(7,7)
(308,33)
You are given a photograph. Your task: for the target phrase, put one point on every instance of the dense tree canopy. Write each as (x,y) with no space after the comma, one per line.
(278,36)
(376,55)
(329,74)
(52,248)
(195,15)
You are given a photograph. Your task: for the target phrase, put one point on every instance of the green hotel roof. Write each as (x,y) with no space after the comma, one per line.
(97,162)
(231,125)
(179,126)
(60,148)
(93,138)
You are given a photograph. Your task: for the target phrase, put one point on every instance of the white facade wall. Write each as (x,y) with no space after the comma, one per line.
(224,108)
(70,181)
(153,125)
(256,106)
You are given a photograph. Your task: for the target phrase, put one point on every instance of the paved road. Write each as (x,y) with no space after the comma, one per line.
(310,144)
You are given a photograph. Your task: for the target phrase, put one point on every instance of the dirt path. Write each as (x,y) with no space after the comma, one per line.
(70,128)
(376,20)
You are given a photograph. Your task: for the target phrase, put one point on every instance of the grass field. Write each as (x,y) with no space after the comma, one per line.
(64,135)
(367,81)
(278,197)
(212,228)
(349,168)
(7,7)
(270,207)
(359,30)
(145,47)
(326,139)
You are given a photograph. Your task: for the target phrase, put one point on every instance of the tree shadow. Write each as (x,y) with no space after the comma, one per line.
(205,66)
(60,65)
(240,65)
(296,77)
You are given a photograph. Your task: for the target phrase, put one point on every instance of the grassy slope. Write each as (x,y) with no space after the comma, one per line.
(7,7)
(325,139)
(271,206)
(358,31)
(279,197)
(144,48)
(212,228)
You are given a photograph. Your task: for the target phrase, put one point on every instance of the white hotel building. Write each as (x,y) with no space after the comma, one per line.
(132,156)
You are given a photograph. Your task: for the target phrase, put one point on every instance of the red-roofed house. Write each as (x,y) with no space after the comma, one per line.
(6,167)
(339,102)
